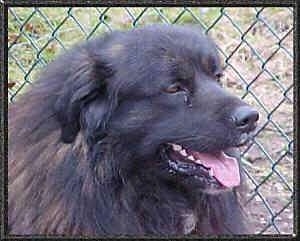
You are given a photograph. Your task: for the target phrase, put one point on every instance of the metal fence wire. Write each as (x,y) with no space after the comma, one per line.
(256,46)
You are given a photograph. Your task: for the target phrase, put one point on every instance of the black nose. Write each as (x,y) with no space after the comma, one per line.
(245,118)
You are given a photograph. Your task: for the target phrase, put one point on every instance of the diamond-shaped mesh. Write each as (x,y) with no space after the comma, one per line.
(256,47)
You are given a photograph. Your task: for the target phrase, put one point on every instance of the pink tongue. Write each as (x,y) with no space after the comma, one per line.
(225,168)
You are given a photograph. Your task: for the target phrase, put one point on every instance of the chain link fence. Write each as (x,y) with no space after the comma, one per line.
(256,46)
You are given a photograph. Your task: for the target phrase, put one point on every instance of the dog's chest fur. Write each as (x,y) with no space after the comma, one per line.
(189,221)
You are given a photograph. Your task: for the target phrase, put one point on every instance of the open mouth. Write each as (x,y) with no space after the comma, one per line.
(212,171)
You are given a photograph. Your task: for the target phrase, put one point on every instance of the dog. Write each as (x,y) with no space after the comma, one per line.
(129,133)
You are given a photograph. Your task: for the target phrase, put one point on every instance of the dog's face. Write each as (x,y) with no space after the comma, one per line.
(161,99)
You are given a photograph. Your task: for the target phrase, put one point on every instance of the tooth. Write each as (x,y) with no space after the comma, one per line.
(176,147)
(191,158)
(183,152)
(198,161)
(211,172)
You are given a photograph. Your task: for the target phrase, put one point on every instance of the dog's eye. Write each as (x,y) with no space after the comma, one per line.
(174,88)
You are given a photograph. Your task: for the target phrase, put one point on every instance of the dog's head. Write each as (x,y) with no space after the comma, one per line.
(156,91)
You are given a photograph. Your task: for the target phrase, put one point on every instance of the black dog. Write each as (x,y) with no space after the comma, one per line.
(126,135)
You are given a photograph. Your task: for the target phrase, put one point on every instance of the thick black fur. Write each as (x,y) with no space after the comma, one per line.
(84,142)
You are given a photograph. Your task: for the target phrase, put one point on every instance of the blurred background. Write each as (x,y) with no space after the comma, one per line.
(256,47)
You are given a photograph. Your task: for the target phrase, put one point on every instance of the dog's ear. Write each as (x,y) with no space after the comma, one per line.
(85,81)
(93,119)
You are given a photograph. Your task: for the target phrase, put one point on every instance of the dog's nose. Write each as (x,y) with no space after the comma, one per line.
(245,118)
